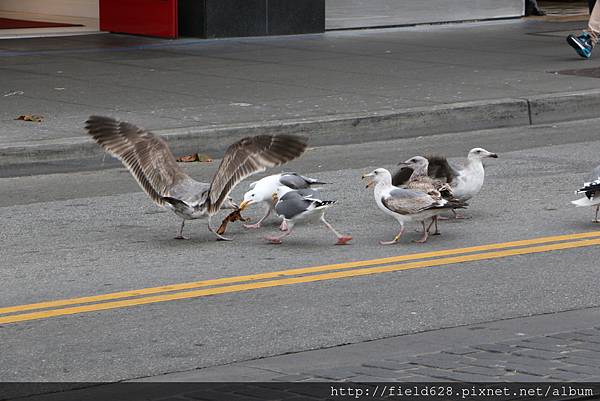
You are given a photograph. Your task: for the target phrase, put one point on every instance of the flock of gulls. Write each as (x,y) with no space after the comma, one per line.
(423,189)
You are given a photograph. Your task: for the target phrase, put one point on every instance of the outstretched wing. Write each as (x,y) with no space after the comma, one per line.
(249,156)
(146,156)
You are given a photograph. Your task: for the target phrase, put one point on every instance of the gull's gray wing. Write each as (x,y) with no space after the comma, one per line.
(591,188)
(146,155)
(405,201)
(297,181)
(308,193)
(249,156)
(292,204)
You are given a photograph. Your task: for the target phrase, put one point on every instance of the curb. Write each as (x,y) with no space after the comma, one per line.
(342,128)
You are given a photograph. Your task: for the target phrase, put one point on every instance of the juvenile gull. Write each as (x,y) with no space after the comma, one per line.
(420,181)
(465,180)
(591,189)
(302,206)
(261,191)
(405,205)
(150,161)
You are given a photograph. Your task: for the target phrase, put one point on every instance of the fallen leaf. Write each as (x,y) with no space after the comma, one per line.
(30,117)
(195,158)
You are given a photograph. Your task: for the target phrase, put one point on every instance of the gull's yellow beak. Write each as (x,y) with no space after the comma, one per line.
(245,204)
(370,183)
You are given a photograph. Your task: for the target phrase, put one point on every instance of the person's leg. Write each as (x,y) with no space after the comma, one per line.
(594,25)
(591,4)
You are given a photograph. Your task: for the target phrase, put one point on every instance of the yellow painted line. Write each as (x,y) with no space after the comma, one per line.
(296,280)
(292,272)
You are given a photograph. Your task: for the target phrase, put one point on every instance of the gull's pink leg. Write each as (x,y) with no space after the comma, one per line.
(257,224)
(342,239)
(459,216)
(434,220)
(596,218)
(396,238)
(423,239)
(283,226)
(277,239)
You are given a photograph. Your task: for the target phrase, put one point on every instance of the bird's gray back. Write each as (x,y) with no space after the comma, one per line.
(292,204)
(190,191)
(294,181)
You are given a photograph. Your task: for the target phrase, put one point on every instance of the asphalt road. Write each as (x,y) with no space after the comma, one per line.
(93,232)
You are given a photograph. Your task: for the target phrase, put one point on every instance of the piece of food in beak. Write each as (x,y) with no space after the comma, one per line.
(232,217)
(244,205)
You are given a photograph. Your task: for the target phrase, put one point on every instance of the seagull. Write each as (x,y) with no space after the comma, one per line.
(420,181)
(261,191)
(465,180)
(591,190)
(405,204)
(149,159)
(302,205)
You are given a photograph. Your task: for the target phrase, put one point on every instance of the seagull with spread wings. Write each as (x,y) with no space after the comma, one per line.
(149,159)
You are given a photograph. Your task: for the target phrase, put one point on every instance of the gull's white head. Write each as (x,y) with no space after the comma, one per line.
(258,193)
(379,175)
(481,153)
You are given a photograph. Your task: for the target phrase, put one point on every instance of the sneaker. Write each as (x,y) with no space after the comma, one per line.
(582,44)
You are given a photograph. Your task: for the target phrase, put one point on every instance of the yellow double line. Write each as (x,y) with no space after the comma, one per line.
(41,310)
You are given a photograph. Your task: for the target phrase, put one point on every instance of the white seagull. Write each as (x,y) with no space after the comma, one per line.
(150,161)
(465,180)
(420,181)
(405,205)
(302,206)
(591,189)
(261,191)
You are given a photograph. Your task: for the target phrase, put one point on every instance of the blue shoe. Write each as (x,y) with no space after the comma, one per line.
(582,44)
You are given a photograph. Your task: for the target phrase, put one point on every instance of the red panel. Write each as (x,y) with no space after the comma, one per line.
(140,17)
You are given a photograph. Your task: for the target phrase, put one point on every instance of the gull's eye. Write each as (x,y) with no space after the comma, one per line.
(253,195)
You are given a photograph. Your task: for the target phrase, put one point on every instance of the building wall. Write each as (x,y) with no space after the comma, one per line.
(366,13)
(73,8)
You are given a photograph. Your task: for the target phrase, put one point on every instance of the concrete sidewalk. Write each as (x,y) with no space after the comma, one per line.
(563,346)
(553,349)
(338,87)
